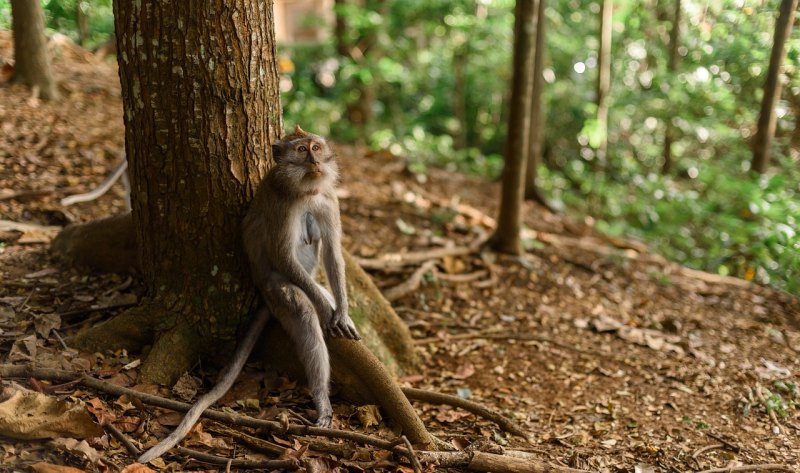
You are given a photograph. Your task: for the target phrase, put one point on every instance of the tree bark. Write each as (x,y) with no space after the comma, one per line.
(506,238)
(31,63)
(535,147)
(201,108)
(604,74)
(82,22)
(672,66)
(772,88)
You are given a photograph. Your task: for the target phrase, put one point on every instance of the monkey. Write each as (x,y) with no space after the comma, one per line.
(293,217)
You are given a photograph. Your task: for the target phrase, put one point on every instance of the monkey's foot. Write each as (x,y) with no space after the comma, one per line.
(342,326)
(324,421)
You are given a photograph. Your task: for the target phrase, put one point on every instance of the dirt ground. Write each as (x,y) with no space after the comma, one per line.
(612,358)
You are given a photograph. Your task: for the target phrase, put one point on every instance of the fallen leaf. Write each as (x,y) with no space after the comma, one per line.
(136,468)
(46,323)
(97,407)
(77,446)
(43,467)
(186,387)
(30,415)
(369,415)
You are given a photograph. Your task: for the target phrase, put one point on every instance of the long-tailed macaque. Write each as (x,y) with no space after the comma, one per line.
(294,215)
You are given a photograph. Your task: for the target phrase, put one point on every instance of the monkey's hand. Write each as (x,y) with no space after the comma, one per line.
(342,326)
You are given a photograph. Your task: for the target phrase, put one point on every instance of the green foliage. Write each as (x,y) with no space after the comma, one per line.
(60,16)
(711,214)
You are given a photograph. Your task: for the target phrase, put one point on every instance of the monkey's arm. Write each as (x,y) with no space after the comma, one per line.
(285,263)
(340,325)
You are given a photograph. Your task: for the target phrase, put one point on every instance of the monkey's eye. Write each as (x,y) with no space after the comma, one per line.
(302,149)
(315,148)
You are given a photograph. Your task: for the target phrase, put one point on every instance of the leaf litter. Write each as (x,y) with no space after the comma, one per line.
(613,359)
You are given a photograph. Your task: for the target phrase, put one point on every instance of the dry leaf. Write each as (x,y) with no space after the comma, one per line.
(136,468)
(77,446)
(100,411)
(30,415)
(369,415)
(46,323)
(43,467)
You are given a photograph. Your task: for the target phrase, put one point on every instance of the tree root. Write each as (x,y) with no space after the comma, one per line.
(514,462)
(439,398)
(372,372)
(173,354)
(131,330)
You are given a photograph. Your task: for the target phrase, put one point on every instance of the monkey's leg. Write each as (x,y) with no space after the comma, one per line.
(298,317)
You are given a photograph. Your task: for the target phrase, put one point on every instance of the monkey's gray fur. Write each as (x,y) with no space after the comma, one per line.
(293,216)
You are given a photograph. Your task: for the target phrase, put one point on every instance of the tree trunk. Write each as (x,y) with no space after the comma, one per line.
(772,88)
(506,238)
(672,66)
(604,75)
(200,95)
(340,28)
(535,146)
(82,22)
(460,61)
(31,63)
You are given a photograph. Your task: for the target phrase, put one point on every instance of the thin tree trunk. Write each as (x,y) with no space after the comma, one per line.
(535,147)
(460,95)
(31,63)
(82,23)
(201,108)
(506,238)
(604,74)
(340,29)
(672,66)
(772,88)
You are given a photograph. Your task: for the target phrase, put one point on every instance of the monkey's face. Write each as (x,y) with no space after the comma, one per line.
(308,162)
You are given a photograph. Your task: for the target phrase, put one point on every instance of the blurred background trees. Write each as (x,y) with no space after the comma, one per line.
(430,82)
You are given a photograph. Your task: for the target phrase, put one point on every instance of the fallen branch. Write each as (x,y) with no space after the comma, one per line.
(476,461)
(397,260)
(410,285)
(461,278)
(739,469)
(440,398)
(291,464)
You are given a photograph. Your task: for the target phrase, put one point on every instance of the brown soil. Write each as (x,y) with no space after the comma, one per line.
(612,358)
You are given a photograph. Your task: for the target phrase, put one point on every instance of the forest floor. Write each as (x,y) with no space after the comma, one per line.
(611,357)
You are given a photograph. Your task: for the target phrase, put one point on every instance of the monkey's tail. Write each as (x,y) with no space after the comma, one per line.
(230,374)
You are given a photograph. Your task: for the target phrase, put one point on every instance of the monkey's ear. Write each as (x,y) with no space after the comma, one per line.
(277,153)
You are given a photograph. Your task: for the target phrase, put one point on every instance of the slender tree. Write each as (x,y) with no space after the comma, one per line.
(604,73)
(536,139)
(31,63)
(672,66)
(509,222)
(772,88)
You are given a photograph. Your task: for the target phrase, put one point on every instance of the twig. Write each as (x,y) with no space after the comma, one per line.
(739,469)
(411,455)
(291,464)
(763,401)
(87,310)
(123,439)
(470,406)
(254,443)
(732,446)
(58,336)
(396,260)
(460,278)
(410,285)
(702,450)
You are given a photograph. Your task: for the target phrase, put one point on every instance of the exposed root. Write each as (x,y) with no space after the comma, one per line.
(130,330)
